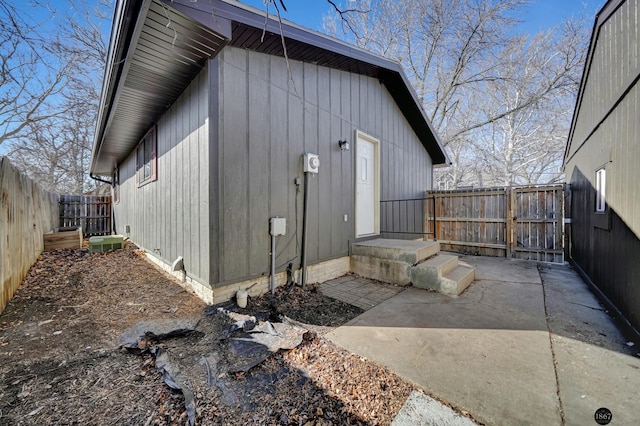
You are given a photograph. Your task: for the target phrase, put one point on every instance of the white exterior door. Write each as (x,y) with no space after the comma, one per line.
(367,186)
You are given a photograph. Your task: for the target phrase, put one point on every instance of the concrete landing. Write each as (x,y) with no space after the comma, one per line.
(492,352)
(409,251)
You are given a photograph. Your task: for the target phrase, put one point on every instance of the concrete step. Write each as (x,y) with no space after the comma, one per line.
(443,273)
(408,251)
(457,281)
(428,274)
(385,270)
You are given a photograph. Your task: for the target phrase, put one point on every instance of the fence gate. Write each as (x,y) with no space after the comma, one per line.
(519,222)
(92,213)
(537,213)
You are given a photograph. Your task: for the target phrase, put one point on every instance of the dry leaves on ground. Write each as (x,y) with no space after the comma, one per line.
(60,362)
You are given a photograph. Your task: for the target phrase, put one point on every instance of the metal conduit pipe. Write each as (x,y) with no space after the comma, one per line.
(305,220)
(273,264)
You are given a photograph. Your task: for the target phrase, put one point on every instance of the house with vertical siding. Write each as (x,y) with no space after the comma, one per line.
(204,126)
(601,161)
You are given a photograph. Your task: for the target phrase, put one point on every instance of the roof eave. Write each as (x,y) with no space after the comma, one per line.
(133,76)
(130,14)
(256,18)
(125,19)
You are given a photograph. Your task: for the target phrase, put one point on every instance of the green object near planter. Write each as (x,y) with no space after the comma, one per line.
(105,243)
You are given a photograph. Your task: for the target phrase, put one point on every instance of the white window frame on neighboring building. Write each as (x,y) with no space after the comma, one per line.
(601,187)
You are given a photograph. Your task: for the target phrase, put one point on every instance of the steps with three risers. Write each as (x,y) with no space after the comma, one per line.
(404,262)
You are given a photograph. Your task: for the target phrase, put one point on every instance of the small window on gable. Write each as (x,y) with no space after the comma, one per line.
(116,186)
(601,186)
(146,161)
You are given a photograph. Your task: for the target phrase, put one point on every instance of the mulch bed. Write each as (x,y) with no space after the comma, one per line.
(60,362)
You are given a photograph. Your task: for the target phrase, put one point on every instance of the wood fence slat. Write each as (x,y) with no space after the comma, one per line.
(92,213)
(473,244)
(519,222)
(26,213)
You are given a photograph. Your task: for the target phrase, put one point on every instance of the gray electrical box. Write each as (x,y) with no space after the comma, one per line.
(277,226)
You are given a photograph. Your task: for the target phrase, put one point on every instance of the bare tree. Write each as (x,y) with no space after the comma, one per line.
(443,44)
(525,115)
(43,157)
(524,148)
(56,149)
(471,72)
(30,75)
(85,46)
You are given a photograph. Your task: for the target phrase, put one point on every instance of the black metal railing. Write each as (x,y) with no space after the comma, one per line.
(407,217)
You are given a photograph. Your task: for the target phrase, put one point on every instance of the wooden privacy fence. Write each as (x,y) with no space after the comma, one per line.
(518,222)
(92,213)
(26,212)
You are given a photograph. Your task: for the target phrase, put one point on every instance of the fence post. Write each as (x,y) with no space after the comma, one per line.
(435,224)
(427,216)
(508,195)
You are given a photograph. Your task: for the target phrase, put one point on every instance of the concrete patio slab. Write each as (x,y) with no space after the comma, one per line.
(485,358)
(419,409)
(596,367)
(490,350)
(518,271)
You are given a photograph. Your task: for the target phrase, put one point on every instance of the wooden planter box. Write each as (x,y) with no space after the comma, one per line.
(63,238)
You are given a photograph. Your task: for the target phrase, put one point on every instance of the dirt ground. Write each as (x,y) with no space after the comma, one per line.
(61,363)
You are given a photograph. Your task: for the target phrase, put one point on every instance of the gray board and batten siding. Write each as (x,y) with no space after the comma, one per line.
(604,133)
(232,128)
(266,123)
(230,148)
(169,217)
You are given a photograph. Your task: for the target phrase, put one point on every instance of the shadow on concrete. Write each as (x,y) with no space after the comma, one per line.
(507,295)
(525,344)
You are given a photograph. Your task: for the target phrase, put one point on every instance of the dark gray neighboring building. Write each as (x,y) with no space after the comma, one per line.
(602,161)
(203,129)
